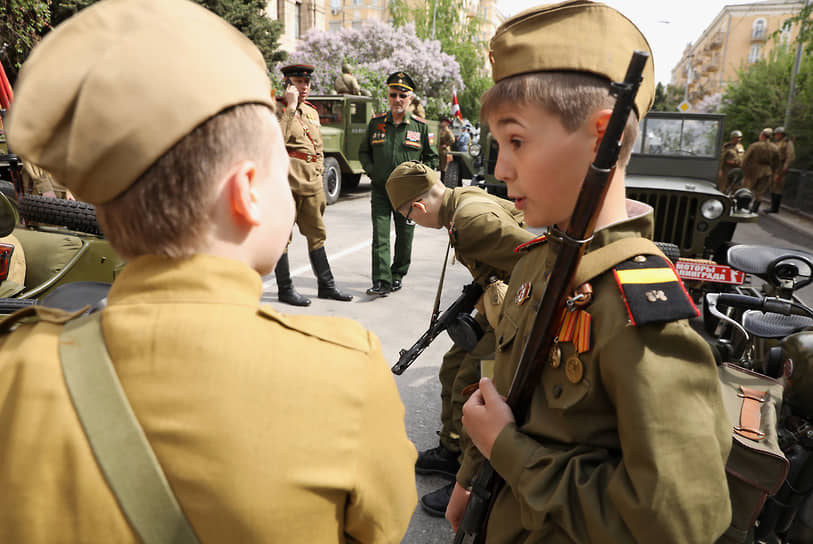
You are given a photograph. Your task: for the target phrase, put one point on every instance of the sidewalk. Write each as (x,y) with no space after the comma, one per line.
(791,219)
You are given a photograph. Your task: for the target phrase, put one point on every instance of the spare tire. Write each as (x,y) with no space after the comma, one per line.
(75,215)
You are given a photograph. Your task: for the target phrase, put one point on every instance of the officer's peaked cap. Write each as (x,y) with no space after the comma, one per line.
(401,80)
(297,70)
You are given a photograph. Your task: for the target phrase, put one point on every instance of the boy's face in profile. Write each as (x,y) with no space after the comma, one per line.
(542,164)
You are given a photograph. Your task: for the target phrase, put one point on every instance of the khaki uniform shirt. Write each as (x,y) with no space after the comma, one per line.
(485,231)
(269,428)
(302,134)
(347,84)
(761,160)
(787,153)
(445,143)
(632,451)
(387,145)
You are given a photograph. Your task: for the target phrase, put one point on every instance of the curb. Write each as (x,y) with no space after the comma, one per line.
(799,222)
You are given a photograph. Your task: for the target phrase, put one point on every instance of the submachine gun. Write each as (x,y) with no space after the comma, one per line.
(549,317)
(456,319)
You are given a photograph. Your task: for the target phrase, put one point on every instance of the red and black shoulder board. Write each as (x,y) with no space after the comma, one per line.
(309,104)
(652,291)
(377,115)
(419,119)
(531,243)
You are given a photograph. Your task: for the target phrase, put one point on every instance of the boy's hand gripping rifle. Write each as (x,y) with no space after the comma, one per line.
(549,317)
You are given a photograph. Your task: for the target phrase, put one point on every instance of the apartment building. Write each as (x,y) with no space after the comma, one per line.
(738,35)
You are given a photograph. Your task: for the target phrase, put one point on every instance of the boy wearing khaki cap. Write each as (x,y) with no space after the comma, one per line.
(483,230)
(265,426)
(626,438)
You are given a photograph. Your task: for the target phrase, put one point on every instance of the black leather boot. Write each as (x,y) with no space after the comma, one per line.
(324,277)
(285,285)
(776,200)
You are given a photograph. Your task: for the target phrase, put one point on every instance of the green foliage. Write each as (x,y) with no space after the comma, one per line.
(804,21)
(449,22)
(21,25)
(667,98)
(759,97)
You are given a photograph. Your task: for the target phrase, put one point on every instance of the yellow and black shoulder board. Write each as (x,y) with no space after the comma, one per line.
(421,120)
(531,244)
(377,115)
(652,291)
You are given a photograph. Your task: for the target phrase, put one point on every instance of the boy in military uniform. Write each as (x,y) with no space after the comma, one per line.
(759,165)
(730,158)
(299,121)
(392,138)
(267,428)
(483,230)
(787,154)
(626,437)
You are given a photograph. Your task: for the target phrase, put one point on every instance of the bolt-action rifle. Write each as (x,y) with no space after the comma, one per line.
(464,304)
(549,317)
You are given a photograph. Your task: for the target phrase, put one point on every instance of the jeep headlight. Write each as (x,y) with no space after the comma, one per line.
(474,150)
(711,209)
(743,199)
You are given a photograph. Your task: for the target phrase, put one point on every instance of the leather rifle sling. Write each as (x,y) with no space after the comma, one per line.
(119,444)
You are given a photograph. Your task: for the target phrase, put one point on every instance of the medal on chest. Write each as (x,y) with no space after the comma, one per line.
(413,139)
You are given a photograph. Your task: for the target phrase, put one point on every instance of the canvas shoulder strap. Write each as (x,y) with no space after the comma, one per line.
(603,259)
(118,442)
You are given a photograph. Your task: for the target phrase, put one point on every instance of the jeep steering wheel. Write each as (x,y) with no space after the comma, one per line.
(795,267)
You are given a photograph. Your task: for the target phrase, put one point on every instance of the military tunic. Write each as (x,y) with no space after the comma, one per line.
(759,165)
(385,146)
(787,154)
(303,140)
(731,158)
(445,143)
(269,428)
(625,442)
(347,84)
(484,232)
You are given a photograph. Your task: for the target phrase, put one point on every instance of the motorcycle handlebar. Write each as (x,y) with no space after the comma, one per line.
(763,304)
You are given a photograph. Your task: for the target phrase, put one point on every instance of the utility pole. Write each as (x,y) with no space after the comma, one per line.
(434,14)
(796,64)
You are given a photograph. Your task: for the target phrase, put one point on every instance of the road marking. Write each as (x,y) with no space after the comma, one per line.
(420,381)
(269,280)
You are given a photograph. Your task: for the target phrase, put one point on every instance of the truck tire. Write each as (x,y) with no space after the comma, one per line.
(452,177)
(75,215)
(332,179)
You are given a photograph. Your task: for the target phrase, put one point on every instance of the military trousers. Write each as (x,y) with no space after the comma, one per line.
(309,212)
(759,185)
(381,212)
(458,370)
(778,184)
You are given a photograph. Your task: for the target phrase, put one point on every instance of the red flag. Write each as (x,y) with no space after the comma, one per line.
(6,94)
(456,106)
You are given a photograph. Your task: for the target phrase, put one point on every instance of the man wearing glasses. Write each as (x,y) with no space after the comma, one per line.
(392,138)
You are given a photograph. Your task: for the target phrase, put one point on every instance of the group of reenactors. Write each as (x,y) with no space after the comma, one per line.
(762,167)
(253,426)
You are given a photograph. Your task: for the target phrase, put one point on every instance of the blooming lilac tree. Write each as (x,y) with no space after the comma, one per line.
(375,51)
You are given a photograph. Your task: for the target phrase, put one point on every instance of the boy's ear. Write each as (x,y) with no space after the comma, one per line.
(420,205)
(599,121)
(241,195)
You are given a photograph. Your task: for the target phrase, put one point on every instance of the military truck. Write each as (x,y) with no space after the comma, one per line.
(673,168)
(344,120)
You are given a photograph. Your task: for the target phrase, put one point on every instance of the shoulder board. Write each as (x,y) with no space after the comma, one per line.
(377,115)
(33,314)
(531,244)
(419,119)
(335,330)
(309,104)
(652,291)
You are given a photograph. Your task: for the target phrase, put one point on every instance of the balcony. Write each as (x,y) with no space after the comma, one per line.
(717,40)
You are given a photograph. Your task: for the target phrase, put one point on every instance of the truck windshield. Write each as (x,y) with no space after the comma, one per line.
(681,137)
(330,111)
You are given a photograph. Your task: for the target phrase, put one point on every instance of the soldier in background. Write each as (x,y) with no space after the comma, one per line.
(445,143)
(38,181)
(347,83)
(267,427)
(787,154)
(303,140)
(730,158)
(416,107)
(759,165)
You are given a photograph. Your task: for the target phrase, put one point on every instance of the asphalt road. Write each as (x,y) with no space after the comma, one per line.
(400,318)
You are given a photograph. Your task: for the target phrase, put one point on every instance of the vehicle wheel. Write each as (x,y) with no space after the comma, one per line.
(78,216)
(332,179)
(350,181)
(452,177)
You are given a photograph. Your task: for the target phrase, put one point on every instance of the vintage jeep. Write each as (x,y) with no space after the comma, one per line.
(673,168)
(55,254)
(344,120)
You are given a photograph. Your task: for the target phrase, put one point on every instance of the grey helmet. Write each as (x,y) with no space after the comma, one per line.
(736,134)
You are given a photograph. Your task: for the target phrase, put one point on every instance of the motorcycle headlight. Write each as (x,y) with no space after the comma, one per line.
(711,209)
(474,150)
(743,198)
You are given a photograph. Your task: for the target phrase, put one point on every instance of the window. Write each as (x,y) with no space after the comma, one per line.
(754,54)
(357,2)
(335,5)
(335,26)
(758,31)
(356,24)
(297,20)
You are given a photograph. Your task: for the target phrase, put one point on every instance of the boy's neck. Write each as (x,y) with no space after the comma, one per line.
(614,208)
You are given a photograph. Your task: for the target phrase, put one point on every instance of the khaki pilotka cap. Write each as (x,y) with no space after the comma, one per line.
(111,90)
(408,181)
(572,36)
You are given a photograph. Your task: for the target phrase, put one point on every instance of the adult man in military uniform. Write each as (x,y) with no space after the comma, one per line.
(346,83)
(445,143)
(625,438)
(299,121)
(759,165)
(483,230)
(267,428)
(392,138)
(730,158)
(787,154)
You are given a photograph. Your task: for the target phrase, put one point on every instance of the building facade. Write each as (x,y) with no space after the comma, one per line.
(739,35)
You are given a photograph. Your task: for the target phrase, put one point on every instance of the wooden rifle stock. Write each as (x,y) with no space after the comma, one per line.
(550,315)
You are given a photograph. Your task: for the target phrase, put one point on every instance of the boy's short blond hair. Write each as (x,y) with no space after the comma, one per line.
(167,211)
(571,96)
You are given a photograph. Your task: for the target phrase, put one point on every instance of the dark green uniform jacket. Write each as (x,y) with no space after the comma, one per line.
(625,442)
(387,145)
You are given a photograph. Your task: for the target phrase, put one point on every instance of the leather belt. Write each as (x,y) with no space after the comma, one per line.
(303,156)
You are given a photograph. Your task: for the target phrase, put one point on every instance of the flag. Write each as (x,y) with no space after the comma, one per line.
(6,94)
(456,106)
